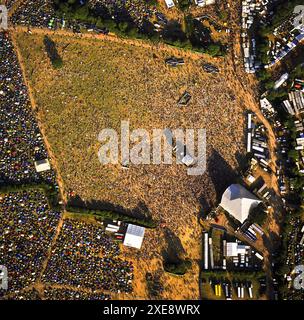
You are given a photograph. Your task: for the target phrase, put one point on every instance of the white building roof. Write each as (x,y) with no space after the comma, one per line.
(282,79)
(250,178)
(238,202)
(169,3)
(265,104)
(231,248)
(202,3)
(42,165)
(134,236)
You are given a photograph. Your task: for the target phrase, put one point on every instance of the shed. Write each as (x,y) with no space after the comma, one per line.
(169,3)
(42,165)
(134,236)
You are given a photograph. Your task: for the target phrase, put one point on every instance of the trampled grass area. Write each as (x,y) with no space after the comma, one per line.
(104,82)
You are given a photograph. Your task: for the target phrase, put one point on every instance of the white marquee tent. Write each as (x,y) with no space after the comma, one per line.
(238,202)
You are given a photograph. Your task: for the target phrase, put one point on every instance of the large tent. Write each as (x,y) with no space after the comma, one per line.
(238,202)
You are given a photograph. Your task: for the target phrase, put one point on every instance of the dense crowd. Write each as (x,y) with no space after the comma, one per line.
(26,231)
(137,10)
(86,257)
(25,295)
(39,13)
(9,3)
(36,13)
(66,294)
(21,142)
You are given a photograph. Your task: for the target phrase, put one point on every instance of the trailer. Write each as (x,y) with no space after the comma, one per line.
(249,125)
(250,292)
(258,155)
(119,234)
(264,162)
(257,228)
(264,165)
(250,236)
(262,188)
(251,230)
(113,226)
(249,142)
(107,229)
(259,256)
(206,250)
(256,148)
(267,195)
(226,290)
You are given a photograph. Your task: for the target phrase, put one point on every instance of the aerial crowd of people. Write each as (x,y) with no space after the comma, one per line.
(21,143)
(26,231)
(64,294)
(35,13)
(39,13)
(137,10)
(85,256)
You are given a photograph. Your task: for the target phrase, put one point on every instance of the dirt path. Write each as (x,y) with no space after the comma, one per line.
(49,253)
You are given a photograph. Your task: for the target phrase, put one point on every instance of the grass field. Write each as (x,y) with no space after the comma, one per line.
(103,82)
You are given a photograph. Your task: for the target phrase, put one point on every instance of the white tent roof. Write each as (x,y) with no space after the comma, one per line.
(231,248)
(134,236)
(42,165)
(169,3)
(238,202)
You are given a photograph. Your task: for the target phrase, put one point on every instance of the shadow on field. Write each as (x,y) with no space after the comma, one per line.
(221,174)
(141,211)
(174,250)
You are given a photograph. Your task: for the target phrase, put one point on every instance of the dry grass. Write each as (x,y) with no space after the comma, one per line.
(103,82)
